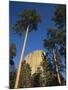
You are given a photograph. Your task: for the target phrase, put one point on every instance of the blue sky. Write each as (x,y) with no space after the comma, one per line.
(35,39)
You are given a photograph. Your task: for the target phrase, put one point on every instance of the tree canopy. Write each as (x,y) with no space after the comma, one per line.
(29,17)
(56,37)
(59,16)
(12,74)
(12,50)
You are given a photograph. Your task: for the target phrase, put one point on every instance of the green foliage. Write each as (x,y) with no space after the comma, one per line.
(56,37)
(63,51)
(36,78)
(12,78)
(11,62)
(25,77)
(12,71)
(12,50)
(59,16)
(44,77)
(28,17)
(49,79)
(49,43)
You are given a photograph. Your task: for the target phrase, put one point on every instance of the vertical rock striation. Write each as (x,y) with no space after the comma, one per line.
(34,59)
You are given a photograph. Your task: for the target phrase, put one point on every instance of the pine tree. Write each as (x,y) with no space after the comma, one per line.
(27,22)
(12,69)
(25,77)
(48,76)
(56,39)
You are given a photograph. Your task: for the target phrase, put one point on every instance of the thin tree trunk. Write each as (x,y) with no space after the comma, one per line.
(21,58)
(56,66)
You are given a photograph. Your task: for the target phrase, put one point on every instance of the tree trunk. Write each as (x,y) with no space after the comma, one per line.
(21,58)
(56,66)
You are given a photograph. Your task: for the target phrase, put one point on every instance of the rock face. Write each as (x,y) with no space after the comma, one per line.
(34,59)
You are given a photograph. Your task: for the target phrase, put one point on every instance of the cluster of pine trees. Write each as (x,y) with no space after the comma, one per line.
(38,79)
(56,41)
(53,66)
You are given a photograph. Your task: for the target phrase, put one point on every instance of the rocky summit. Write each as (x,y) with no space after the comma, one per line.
(34,59)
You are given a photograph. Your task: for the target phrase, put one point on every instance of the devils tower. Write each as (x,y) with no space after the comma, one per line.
(34,59)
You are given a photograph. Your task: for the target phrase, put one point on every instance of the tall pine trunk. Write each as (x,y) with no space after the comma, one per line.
(21,58)
(56,66)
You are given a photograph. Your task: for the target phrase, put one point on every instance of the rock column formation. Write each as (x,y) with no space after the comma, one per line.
(34,59)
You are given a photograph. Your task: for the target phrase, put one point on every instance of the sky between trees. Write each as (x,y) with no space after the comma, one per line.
(35,39)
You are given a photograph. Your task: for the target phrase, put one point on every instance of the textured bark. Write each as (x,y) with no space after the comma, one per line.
(20,63)
(56,66)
